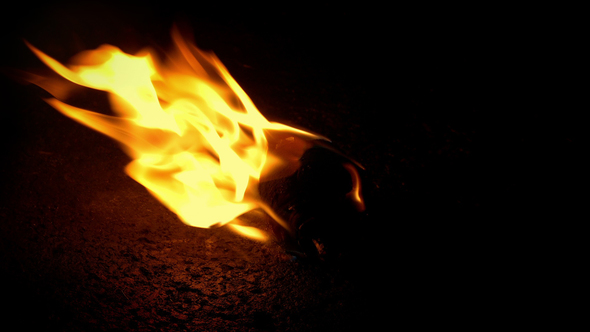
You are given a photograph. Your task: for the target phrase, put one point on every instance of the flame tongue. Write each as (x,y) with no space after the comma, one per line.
(197,141)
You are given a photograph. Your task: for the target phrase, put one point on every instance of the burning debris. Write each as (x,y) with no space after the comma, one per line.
(321,203)
(200,146)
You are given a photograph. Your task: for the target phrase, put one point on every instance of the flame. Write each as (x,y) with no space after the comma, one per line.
(196,140)
(355,194)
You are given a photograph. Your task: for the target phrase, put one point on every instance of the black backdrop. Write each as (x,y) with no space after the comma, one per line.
(424,97)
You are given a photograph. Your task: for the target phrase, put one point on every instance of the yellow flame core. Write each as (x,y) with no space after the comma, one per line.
(196,140)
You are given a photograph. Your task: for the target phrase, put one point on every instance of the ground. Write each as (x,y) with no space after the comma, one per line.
(85,248)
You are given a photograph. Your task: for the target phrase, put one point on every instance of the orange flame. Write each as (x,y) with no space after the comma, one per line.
(196,140)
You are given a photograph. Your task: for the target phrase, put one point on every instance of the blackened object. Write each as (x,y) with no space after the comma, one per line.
(321,203)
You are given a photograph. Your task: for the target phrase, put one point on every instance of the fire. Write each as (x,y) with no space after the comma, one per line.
(196,140)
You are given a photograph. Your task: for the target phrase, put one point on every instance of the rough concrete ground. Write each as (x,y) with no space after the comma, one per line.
(85,248)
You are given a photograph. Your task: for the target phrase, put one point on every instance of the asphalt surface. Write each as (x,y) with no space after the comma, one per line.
(421,97)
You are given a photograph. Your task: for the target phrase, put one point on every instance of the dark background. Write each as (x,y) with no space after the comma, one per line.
(440,104)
